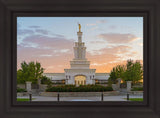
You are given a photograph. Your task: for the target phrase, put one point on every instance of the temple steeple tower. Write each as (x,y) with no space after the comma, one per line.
(79,49)
(79,53)
(80,72)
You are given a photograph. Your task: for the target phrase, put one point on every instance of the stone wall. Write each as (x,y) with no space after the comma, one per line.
(43,87)
(21,94)
(21,86)
(34,87)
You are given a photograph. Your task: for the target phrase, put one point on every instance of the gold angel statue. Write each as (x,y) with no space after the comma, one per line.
(79,27)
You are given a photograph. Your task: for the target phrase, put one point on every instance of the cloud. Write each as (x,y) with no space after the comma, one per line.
(101,21)
(105,59)
(24,31)
(34,26)
(112,50)
(53,51)
(140,44)
(96,42)
(91,24)
(107,55)
(62,51)
(59,35)
(112,27)
(46,55)
(117,38)
(48,42)
(49,51)
(38,29)
(49,58)
(42,31)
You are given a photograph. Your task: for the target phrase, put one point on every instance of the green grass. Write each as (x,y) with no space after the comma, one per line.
(135,99)
(23,99)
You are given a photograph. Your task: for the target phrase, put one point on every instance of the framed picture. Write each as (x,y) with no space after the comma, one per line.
(95,65)
(79,59)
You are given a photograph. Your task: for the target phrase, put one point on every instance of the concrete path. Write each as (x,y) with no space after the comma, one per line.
(106,98)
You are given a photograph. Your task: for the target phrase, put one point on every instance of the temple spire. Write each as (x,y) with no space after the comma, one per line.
(79,27)
(79,34)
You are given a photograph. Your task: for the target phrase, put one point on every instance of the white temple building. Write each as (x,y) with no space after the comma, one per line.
(79,72)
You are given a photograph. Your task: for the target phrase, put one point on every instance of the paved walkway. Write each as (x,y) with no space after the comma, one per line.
(106,98)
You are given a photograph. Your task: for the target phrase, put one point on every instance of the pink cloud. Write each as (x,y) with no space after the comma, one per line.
(51,63)
(109,57)
(100,42)
(49,51)
(112,50)
(48,42)
(52,52)
(118,38)
(47,58)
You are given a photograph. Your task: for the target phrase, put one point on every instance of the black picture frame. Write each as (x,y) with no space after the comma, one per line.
(149,9)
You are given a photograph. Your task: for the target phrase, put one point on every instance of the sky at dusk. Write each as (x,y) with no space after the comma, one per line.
(50,41)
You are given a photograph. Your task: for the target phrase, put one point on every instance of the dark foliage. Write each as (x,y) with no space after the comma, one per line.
(81,88)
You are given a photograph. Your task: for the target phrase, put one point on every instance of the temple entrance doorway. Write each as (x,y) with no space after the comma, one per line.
(80,80)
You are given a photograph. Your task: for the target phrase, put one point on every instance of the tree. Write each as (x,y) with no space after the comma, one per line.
(134,71)
(116,72)
(129,72)
(112,77)
(138,72)
(20,78)
(29,72)
(45,80)
(120,69)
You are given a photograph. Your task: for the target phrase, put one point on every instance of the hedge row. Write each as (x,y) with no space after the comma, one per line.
(81,88)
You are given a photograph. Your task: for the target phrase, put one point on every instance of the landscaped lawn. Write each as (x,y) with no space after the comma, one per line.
(23,99)
(136,99)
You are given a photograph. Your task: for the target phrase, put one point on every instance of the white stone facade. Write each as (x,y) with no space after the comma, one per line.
(57,77)
(79,71)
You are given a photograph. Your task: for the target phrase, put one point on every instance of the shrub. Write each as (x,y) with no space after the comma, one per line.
(137,89)
(81,88)
(45,80)
(21,90)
